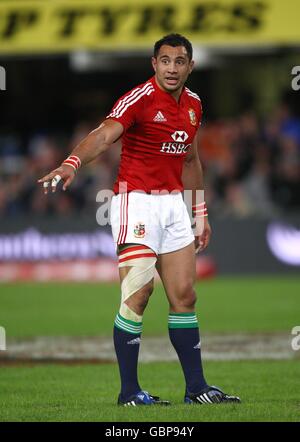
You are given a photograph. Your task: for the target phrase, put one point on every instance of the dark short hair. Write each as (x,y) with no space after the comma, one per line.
(174,40)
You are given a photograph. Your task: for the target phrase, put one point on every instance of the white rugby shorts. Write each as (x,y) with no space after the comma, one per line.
(160,222)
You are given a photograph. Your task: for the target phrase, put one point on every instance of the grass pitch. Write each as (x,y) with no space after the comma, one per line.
(224,305)
(269,389)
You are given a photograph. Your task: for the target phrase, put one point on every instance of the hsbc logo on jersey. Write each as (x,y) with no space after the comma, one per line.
(178,147)
(174,148)
(179,135)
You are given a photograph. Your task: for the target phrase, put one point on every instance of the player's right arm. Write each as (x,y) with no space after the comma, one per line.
(87,150)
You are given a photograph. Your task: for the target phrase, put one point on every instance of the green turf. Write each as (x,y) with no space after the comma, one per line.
(260,304)
(269,391)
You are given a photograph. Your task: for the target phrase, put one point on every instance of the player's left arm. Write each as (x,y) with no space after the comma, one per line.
(192,179)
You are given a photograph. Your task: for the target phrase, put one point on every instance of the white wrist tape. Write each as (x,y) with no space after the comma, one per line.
(73,161)
(200,210)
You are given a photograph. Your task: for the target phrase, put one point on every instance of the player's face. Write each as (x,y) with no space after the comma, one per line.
(172,67)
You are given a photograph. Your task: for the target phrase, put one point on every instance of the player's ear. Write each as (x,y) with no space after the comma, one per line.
(154,63)
(192,63)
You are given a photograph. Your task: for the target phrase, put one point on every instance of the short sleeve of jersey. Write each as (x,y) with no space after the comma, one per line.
(129,106)
(196,105)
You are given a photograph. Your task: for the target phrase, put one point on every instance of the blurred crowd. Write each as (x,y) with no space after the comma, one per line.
(252,168)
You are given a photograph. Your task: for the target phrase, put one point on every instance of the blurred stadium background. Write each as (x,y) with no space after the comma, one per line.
(66,62)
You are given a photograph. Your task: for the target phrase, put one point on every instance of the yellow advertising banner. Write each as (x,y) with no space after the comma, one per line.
(29,26)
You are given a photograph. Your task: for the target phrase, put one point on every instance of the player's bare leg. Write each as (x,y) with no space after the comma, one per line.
(177,271)
(136,268)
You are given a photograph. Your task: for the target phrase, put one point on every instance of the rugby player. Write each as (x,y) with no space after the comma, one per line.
(158,122)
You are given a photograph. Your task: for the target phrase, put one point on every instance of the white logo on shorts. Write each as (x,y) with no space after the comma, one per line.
(139,230)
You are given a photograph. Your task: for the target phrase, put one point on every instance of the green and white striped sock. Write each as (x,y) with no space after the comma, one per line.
(185,337)
(183,320)
(127,338)
(127,325)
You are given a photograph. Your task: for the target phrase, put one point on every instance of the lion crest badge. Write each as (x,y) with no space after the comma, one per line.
(192,115)
(139,230)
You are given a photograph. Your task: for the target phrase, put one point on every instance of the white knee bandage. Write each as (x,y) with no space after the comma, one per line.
(142,261)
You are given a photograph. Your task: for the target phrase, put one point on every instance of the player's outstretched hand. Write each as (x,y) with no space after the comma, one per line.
(202,241)
(64,172)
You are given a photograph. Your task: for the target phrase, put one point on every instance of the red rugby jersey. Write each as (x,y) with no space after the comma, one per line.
(158,133)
